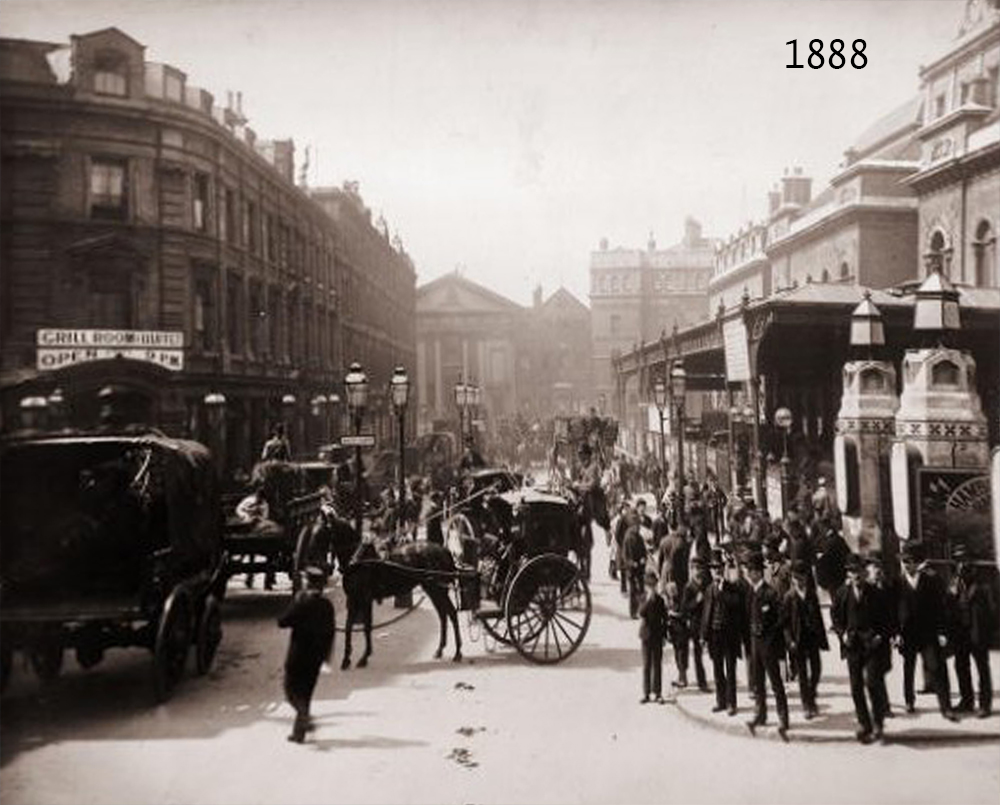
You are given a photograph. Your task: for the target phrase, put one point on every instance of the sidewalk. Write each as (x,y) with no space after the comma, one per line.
(836,721)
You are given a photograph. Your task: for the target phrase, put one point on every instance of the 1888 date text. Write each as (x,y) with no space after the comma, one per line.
(836,59)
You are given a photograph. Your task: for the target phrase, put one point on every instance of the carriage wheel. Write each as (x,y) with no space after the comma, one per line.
(209,635)
(173,639)
(548,609)
(6,664)
(458,529)
(495,624)
(46,660)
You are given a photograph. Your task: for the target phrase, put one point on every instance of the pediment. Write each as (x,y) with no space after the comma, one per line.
(454,294)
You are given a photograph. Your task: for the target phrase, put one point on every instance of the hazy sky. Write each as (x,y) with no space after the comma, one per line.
(510,137)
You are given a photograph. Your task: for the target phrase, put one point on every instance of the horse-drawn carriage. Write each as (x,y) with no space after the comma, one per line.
(512,546)
(293,492)
(110,540)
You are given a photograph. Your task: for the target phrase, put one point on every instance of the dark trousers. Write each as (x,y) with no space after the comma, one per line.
(299,687)
(808,667)
(964,656)
(724,673)
(622,570)
(687,645)
(635,590)
(937,669)
(765,662)
(652,667)
(856,672)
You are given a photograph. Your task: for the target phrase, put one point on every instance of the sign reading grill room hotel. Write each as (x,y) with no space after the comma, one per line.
(59,348)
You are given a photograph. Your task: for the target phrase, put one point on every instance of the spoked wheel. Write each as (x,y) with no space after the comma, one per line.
(47,660)
(173,639)
(494,621)
(209,635)
(548,609)
(6,664)
(457,534)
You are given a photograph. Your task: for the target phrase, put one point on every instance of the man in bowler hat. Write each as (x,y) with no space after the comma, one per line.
(805,634)
(722,627)
(767,646)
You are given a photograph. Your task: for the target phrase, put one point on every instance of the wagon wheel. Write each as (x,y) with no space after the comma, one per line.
(46,660)
(6,664)
(209,635)
(173,639)
(548,609)
(458,529)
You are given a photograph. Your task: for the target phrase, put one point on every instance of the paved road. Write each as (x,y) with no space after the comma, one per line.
(412,729)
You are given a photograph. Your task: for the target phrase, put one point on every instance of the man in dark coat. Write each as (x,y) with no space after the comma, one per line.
(975,622)
(923,628)
(854,614)
(634,550)
(767,646)
(692,608)
(805,635)
(722,627)
(618,548)
(311,619)
(652,633)
(885,594)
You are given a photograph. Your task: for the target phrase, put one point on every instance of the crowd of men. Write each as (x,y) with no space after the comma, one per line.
(740,587)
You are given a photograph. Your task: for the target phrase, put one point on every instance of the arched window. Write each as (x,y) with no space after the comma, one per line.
(872,380)
(111,73)
(845,271)
(936,258)
(809,278)
(825,276)
(944,373)
(985,255)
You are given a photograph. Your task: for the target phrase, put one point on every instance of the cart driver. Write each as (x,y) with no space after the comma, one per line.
(588,487)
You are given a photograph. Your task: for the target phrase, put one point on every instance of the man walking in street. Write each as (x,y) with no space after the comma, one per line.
(722,626)
(767,646)
(922,628)
(854,614)
(311,619)
(653,634)
(634,549)
(805,635)
(975,619)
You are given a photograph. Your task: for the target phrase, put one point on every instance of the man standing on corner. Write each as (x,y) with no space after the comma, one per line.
(767,646)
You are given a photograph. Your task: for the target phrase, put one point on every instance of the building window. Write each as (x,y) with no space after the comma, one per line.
(845,271)
(256,317)
(944,373)
(108,189)
(250,225)
(204,313)
(939,105)
(936,258)
(230,230)
(985,255)
(825,276)
(173,87)
(111,74)
(200,202)
(234,313)
(274,323)
(616,324)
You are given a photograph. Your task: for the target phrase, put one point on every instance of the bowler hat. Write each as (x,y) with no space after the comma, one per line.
(699,561)
(754,561)
(911,550)
(800,568)
(315,575)
(874,558)
(716,559)
(959,552)
(853,563)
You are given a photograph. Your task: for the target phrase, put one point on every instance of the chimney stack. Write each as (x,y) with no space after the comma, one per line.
(796,188)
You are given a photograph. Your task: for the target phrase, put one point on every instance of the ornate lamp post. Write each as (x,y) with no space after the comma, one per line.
(678,387)
(288,402)
(356,384)
(752,461)
(317,407)
(332,401)
(660,399)
(462,402)
(475,395)
(215,405)
(399,393)
(783,419)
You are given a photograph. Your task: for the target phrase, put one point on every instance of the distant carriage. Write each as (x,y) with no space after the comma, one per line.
(110,540)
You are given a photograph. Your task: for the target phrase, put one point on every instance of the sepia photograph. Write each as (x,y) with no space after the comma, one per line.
(499,401)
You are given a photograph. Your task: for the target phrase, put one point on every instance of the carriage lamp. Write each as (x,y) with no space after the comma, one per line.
(288,400)
(783,419)
(317,404)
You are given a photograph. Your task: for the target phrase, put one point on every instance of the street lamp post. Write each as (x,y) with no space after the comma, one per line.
(399,388)
(783,419)
(751,466)
(678,387)
(288,417)
(660,398)
(461,402)
(332,401)
(317,407)
(356,384)
(215,404)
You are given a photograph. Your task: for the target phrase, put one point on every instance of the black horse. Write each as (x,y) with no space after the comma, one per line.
(368,578)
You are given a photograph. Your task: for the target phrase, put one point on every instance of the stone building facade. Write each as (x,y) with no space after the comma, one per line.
(134,207)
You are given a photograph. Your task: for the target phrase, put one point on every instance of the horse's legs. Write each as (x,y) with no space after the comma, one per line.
(348,628)
(445,611)
(367,616)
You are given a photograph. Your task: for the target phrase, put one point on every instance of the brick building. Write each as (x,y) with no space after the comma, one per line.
(635,295)
(140,217)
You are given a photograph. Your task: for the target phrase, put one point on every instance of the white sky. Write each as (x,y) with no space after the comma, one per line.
(509,137)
